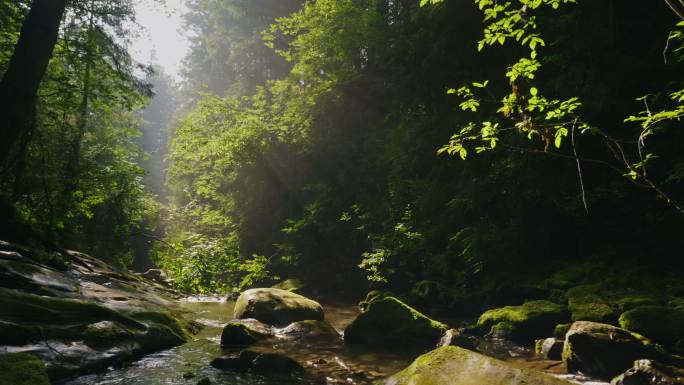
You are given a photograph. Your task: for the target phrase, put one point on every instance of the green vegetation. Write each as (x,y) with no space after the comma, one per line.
(22,369)
(532,319)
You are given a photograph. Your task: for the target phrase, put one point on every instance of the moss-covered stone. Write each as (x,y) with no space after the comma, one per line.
(661,324)
(586,303)
(604,350)
(244,332)
(22,369)
(455,366)
(309,329)
(389,321)
(533,319)
(276,307)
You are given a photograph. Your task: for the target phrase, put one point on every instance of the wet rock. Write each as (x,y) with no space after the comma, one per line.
(456,366)
(552,349)
(309,330)
(275,364)
(647,372)
(240,363)
(390,322)
(244,332)
(204,381)
(22,369)
(661,324)
(276,307)
(268,364)
(454,337)
(77,325)
(533,319)
(603,350)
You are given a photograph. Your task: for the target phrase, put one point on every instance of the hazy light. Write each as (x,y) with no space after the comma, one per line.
(162,41)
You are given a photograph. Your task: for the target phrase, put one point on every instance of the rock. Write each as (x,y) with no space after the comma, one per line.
(204,381)
(390,322)
(22,369)
(552,349)
(275,364)
(587,304)
(269,364)
(647,372)
(276,307)
(93,314)
(456,366)
(244,332)
(603,350)
(533,319)
(309,329)
(240,363)
(661,324)
(453,337)
(293,285)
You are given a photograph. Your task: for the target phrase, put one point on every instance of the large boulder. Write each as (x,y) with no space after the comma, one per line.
(388,321)
(451,365)
(647,372)
(603,350)
(22,369)
(661,324)
(276,307)
(533,319)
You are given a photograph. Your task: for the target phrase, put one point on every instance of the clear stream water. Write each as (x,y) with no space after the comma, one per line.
(327,363)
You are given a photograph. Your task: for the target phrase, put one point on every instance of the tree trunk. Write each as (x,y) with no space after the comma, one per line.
(19,85)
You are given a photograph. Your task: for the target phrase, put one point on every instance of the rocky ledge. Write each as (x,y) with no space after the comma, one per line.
(81,315)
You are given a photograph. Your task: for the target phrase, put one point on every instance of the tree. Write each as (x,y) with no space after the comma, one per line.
(19,85)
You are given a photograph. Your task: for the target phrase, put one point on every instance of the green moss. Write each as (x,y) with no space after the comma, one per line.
(661,324)
(586,303)
(22,369)
(560,330)
(30,309)
(178,327)
(453,365)
(390,321)
(527,321)
(276,307)
(239,334)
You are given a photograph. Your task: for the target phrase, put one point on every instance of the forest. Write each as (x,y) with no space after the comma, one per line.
(343,191)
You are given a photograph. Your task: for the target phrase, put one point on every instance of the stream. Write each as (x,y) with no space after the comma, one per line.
(326,362)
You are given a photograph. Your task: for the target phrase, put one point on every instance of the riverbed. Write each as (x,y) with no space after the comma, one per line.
(327,362)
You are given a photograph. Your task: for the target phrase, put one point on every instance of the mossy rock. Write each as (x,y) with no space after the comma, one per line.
(22,369)
(390,322)
(604,350)
(244,332)
(533,319)
(31,309)
(587,304)
(661,324)
(293,285)
(276,307)
(451,365)
(309,329)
